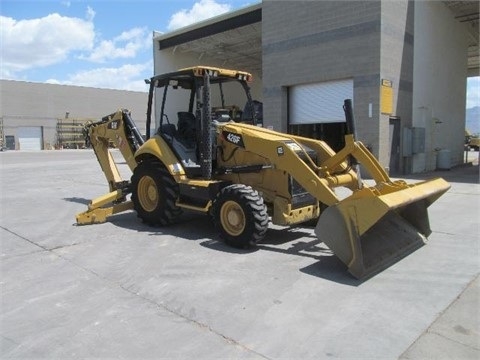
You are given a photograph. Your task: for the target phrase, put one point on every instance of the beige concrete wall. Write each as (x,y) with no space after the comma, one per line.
(396,65)
(37,104)
(318,41)
(439,87)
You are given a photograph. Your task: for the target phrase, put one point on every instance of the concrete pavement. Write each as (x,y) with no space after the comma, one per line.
(126,290)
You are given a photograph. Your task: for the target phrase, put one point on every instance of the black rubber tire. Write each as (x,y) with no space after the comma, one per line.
(154,192)
(240,215)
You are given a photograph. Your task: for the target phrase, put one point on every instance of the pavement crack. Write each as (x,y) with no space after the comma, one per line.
(453,340)
(193,321)
(24,238)
(158,305)
(10,340)
(429,330)
(4,256)
(44,248)
(62,246)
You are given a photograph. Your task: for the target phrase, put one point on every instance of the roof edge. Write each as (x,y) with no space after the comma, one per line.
(230,20)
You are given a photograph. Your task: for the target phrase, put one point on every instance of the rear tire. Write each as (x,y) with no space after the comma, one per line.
(240,215)
(154,192)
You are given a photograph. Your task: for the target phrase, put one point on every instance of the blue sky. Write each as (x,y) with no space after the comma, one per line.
(99,43)
(102,43)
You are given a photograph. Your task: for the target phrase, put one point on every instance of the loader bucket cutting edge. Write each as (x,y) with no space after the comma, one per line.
(372,233)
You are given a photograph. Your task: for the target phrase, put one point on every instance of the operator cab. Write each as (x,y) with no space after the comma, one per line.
(187,100)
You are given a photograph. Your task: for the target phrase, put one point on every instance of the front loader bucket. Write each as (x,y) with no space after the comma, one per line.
(370,232)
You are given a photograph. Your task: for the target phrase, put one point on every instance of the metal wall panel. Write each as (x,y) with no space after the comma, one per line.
(30,137)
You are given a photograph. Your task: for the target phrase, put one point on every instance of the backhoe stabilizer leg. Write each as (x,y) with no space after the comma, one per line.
(104,206)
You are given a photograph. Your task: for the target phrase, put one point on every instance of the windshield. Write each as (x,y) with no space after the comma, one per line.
(228,101)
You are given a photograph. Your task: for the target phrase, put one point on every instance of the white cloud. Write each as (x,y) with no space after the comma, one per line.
(41,42)
(90,14)
(126,77)
(473,92)
(126,45)
(201,10)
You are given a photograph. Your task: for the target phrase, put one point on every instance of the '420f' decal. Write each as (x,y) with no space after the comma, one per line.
(233,138)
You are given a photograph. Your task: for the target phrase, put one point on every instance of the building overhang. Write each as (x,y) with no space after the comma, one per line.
(467,12)
(234,39)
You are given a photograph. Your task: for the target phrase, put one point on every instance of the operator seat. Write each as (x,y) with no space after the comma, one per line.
(247,115)
(167,129)
(186,129)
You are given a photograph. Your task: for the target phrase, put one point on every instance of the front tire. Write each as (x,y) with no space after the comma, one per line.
(154,192)
(240,215)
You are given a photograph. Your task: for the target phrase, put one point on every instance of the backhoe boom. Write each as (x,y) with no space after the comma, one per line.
(118,130)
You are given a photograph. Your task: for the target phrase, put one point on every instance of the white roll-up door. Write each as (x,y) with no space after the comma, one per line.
(319,102)
(30,137)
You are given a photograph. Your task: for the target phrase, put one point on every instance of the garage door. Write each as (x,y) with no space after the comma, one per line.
(319,102)
(30,137)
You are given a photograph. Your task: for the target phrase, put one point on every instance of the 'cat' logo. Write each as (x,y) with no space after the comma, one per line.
(233,138)
(113,125)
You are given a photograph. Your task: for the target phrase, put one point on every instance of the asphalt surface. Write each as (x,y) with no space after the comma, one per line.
(125,290)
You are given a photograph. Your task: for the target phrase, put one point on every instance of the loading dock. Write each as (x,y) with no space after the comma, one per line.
(30,138)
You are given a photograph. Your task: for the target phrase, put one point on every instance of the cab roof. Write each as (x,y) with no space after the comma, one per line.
(216,75)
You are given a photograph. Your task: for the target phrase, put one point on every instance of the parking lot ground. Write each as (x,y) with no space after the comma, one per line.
(125,290)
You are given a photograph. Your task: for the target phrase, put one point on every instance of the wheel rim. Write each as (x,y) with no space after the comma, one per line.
(232,218)
(147,193)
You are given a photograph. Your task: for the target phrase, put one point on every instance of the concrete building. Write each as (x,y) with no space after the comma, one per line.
(36,116)
(404,64)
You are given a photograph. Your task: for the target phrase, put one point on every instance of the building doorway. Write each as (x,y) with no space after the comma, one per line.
(394,138)
(10,142)
(332,133)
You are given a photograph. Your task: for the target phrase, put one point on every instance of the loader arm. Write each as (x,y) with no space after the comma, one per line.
(120,130)
(283,151)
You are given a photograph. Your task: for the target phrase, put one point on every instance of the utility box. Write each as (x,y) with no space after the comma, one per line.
(444,160)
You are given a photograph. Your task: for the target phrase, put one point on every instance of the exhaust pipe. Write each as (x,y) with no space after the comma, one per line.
(350,122)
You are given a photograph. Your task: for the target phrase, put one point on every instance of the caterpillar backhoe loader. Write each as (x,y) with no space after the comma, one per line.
(214,158)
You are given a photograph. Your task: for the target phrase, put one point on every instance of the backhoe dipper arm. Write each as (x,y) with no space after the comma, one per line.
(117,128)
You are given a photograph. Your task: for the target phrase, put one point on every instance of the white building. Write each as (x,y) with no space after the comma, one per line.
(34,115)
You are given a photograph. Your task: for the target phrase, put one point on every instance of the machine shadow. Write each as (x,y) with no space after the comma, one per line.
(77,200)
(296,241)
(332,269)
(189,226)
(304,243)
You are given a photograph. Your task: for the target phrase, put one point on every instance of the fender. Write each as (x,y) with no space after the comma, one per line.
(157,147)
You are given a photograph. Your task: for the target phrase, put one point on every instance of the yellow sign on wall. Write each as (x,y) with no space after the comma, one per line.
(386,97)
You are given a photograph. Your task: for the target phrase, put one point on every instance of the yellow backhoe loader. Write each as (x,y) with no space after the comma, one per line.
(214,158)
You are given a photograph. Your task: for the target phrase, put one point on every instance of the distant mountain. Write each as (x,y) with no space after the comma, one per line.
(472,120)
